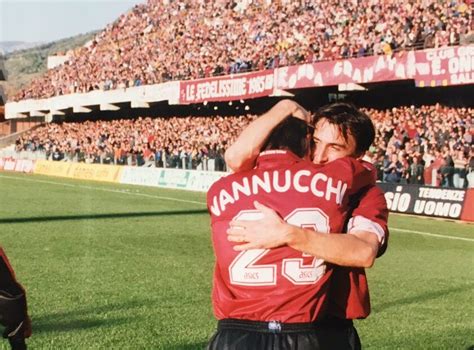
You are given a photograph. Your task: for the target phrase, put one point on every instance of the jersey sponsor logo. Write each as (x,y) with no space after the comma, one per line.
(320,185)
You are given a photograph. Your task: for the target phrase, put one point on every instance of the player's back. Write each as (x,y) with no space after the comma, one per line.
(278,284)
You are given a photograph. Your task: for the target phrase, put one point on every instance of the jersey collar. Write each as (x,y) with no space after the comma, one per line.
(273,158)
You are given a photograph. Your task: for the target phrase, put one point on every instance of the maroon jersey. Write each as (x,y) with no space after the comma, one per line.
(8,283)
(6,267)
(349,293)
(279,284)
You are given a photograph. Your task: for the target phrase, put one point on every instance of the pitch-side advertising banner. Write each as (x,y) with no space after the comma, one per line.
(96,172)
(427,201)
(141,176)
(194,180)
(410,199)
(18,165)
(24,165)
(45,167)
(7,164)
(432,67)
(80,171)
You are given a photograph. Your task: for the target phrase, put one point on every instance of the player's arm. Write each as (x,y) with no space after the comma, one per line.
(243,152)
(371,214)
(358,249)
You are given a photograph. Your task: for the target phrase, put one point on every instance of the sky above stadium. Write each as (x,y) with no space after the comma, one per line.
(50,20)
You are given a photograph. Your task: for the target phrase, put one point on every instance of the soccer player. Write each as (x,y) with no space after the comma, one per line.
(341,130)
(274,298)
(13,308)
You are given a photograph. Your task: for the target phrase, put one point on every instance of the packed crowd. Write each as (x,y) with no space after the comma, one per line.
(425,145)
(174,142)
(165,40)
(410,143)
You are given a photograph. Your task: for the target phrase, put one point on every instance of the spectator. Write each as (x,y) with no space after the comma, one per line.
(416,172)
(393,169)
(173,40)
(460,169)
(447,170)
(414,137)
(470,173)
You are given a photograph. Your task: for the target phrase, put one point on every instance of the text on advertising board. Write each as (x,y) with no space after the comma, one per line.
(428,201)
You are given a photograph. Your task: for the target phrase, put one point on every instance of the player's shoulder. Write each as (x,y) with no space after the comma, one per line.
(375,193)
(346,166)
(219,184)
(352,163)
(224,182)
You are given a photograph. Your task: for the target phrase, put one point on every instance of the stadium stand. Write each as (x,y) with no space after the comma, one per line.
(170,142)
(164,40)
(431,137)
(170,40)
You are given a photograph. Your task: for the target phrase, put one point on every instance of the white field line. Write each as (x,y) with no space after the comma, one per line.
(95,188)
(431,234)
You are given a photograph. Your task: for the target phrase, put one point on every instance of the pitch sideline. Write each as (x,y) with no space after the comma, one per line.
(95,188)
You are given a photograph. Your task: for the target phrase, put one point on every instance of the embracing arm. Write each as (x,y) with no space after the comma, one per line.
(356,249)
(242,154)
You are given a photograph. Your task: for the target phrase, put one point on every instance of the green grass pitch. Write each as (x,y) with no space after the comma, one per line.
(124,267)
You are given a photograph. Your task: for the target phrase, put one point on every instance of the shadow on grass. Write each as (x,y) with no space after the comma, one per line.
(421,297)
(74,319)
(70,325)
(102,216)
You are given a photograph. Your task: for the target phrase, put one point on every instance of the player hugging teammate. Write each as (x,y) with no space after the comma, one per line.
(286,276)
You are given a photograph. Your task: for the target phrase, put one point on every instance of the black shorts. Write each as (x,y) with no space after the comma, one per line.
(235,334)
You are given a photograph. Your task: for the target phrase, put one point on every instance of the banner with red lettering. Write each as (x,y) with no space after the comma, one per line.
(445,66)
(227,88)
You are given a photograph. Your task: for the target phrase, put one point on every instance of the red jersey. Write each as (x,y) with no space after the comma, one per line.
(349,293)
(4,259)
(7,282)
(279,284)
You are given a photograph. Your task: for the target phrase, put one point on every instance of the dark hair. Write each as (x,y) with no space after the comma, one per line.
(290,134)
(350,121)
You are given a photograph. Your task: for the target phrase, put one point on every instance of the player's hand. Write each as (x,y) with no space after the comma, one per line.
(270,231)
(290,107)
(304,115)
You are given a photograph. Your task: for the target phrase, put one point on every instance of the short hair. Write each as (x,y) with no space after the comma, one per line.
(291,134)
(350,120)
